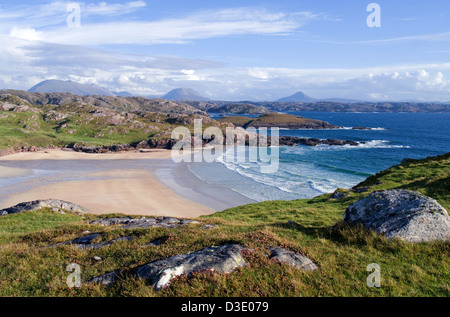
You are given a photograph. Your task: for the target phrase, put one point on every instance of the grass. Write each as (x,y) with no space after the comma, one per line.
(269,120)
(312,227)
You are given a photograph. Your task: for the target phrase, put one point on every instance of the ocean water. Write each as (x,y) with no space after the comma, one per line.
(306,172)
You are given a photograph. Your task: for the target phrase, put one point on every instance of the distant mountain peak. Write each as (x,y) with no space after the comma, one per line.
(297,97)
(184,94)
(54,85)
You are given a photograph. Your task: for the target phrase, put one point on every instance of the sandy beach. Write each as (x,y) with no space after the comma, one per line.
(67,154)
(8,172)
(126,191)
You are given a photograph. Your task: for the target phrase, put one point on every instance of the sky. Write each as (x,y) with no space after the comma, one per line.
(395,50)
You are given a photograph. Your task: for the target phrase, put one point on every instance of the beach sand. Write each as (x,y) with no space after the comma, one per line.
(125,190)
(133,192)
(67,154)
(8,172)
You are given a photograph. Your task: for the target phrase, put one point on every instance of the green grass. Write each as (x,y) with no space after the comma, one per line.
(342,252)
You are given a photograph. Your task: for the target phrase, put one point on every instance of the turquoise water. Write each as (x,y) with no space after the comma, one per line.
(305,172)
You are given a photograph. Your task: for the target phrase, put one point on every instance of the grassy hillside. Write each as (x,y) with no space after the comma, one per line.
(43,124)
(312,227)
(278,120)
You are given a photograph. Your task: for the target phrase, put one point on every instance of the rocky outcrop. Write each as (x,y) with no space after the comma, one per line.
(404,214)
(54,204)
(87,242)
(338,195)
(106,279)
(15,150)
(293,141)
(291,258)
(279,120)
(222,259)
(144,222)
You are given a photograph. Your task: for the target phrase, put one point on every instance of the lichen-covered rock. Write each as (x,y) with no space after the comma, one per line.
(291,258)
(54,204)
(222,259)
(106,279)
(404,214)
(338,195)
(87,242)
(144,222)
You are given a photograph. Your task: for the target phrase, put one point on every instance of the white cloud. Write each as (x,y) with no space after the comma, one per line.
(37,45)
(203,25)
(28,34)
(104,8)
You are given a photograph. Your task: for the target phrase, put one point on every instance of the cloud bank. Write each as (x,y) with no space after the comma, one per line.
(37,44)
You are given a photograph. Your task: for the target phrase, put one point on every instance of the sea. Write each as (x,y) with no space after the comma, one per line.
(303,171)
(306,171)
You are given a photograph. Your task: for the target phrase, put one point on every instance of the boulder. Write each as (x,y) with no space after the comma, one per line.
(404,214)
(338,195)
(105,279)
(54,204)
(291,258)
(222,259)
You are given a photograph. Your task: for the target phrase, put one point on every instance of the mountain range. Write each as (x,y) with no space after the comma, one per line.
(52,85)
(184,94)
(178,94)
(60,86)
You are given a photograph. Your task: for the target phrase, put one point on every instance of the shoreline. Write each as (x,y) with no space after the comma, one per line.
(134,183)
(68,154)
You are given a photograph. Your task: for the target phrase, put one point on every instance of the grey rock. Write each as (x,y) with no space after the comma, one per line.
(54,204)
(156,242)
(106,222)
(361,189)
(293,259)
(105,279)
(100,245)
(222,259)
(404,214)
(86,242)
(144,222)
(170,220)
(97,258)
(338,195)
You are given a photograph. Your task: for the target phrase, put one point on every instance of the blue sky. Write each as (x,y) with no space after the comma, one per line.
(233,50)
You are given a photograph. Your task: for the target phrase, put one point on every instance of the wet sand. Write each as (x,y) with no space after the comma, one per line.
(134,192)
(8,172)
(118,183)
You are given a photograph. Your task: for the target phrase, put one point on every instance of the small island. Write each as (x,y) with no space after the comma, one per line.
(279,120)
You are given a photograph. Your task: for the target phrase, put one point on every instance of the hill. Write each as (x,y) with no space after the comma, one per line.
(184,94)
(297,97)
(34,243)
(61,119)
(278,120)
(51,86)
(110,102)
(238,108)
